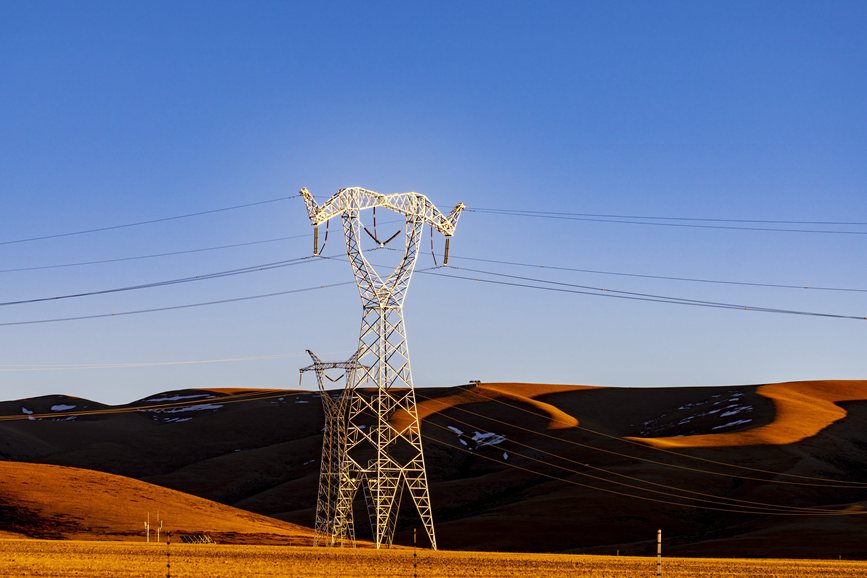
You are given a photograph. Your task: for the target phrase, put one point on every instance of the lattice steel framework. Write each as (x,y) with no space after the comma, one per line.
(382,448)
(330,529)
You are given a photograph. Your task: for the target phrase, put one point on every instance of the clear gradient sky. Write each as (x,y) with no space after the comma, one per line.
(115,112)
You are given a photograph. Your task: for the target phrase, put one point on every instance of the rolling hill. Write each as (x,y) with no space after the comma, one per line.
(757,470)
(45,501)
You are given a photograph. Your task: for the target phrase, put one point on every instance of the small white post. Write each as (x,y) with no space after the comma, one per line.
(147,526)
(659,552)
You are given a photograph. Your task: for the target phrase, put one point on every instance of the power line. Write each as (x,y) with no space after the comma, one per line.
(35,367)
(174,307)
(166,254)
(206,276)
(661,277)
(633,296)
(184,306)
(152,255)
(669,218)
(625,494)
(811,479)
(603,289)
(147,222)
(628,221)
(476,259)
(559,287)
(748,505)
(629,295)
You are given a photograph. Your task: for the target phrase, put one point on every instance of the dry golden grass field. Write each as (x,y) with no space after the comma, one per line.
(80,558)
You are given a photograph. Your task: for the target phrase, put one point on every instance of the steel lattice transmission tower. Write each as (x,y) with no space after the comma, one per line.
(330,529)
(382,449)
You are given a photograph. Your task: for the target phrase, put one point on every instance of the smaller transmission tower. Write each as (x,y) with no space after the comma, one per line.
(332,528)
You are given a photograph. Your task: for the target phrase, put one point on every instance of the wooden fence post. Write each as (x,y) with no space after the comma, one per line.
(659,552)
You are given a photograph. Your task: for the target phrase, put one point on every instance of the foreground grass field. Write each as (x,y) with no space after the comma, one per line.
(79,558)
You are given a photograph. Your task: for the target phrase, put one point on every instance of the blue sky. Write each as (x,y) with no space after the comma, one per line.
(113,113)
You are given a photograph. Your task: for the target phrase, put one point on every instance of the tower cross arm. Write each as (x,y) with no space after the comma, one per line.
(319,365)
(410,205)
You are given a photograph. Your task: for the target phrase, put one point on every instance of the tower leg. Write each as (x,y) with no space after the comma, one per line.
(384,426)
(327,470)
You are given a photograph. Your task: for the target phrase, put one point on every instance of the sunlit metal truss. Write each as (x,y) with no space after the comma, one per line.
(380,454)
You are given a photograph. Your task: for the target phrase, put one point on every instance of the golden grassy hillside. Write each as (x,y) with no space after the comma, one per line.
(524,393)
(62,502)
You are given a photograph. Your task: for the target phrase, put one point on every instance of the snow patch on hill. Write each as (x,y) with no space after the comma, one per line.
(161,417)
(478,439)
(700,417)
(62,407)
(732,424)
